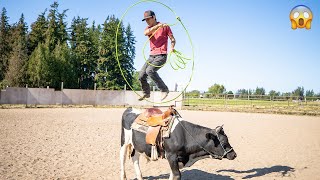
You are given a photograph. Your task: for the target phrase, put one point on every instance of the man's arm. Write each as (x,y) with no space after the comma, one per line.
(173,42)
(150,31)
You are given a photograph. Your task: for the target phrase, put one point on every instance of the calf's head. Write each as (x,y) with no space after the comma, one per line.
(218,144)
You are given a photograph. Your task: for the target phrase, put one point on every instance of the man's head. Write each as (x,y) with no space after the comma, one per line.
(149,17)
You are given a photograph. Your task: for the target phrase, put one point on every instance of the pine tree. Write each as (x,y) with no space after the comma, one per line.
(130,53)
(51,41)
(5,48)
(135,82)
(64,70)
(16,74)
(62,27)
(94,34)
(84,52)
(55,35)
(109,74)
(37,66)
(38,32)
(60,68)
(52,34)
(46,34)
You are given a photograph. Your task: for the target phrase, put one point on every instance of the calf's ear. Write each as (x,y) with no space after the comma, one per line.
(209,136)
(219,128)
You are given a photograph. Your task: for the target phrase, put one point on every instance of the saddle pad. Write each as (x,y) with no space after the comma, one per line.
(139,127)
(144,128)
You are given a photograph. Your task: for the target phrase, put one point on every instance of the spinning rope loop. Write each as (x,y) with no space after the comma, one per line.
(180,63)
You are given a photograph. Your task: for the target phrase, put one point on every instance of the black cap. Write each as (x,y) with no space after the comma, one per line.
(148,14)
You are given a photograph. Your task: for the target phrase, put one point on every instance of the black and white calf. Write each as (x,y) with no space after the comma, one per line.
(187,144)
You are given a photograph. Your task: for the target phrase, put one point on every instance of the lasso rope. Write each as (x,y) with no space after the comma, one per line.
(178,54)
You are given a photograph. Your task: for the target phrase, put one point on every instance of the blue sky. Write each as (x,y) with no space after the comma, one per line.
(240,44)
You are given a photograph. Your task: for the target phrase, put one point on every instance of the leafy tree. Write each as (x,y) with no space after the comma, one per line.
(64,70)
(287,94)
(217,89)
(230,92)
(37,66)
(152,84)
(260,91)
(310,93)
(5,48)
(193,93)
(299,91)
(242,92)
(135,82)
(16,74)
(274,93)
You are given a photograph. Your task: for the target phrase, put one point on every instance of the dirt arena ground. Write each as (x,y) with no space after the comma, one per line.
(84,143)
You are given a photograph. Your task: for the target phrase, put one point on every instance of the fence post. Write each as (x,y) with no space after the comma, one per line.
(225,100)
(27,95)
(188,101)
(61,94)
(305,99)
(95,94)
(124,96)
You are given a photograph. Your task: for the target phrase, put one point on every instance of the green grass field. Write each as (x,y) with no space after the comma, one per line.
(263,106)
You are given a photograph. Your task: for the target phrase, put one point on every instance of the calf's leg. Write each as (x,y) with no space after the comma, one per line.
(173,162)
(123,154)
(135,160)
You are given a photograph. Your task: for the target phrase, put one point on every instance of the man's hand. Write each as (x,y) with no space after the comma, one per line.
(160,25)
(152,29)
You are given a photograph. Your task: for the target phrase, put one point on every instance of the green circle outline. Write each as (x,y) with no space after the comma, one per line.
(117,56)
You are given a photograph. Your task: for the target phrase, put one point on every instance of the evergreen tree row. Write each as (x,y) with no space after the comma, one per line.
(52,52)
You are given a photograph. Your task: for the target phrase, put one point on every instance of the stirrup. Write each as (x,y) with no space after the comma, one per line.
(154,153)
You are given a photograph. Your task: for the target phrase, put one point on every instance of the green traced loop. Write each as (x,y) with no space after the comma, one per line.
(178,18)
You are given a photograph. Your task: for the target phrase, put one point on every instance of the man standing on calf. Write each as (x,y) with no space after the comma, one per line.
(158,34)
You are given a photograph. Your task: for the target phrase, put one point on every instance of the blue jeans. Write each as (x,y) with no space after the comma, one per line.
(151,71)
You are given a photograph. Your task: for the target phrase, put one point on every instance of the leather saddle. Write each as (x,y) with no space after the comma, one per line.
(156,121)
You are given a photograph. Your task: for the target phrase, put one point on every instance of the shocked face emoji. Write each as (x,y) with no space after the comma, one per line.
(301,17)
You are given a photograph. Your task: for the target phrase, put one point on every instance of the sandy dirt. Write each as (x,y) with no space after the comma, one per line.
(84,143)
